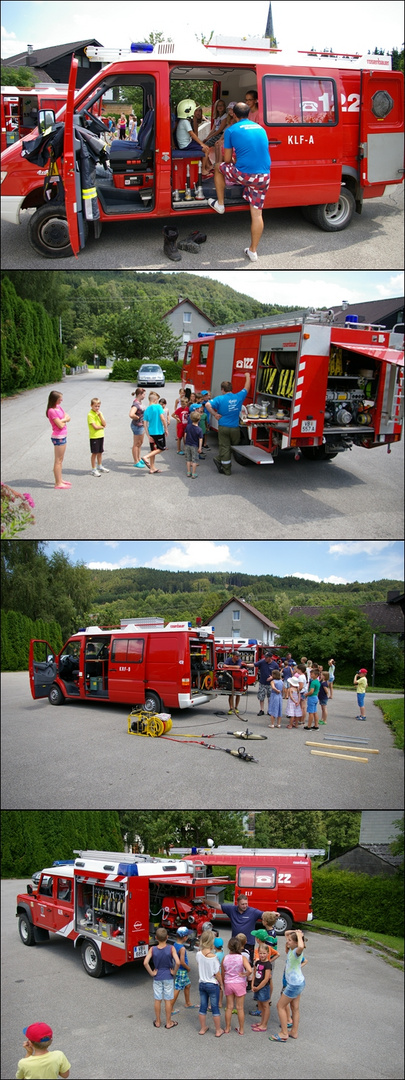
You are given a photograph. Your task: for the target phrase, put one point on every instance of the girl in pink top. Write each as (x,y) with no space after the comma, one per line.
(58,420)
(235,968)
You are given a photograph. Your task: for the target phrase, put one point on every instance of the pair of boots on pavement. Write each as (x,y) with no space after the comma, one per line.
(171,247)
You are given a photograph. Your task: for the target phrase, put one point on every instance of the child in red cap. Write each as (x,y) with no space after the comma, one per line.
(360,681)
(40,1061)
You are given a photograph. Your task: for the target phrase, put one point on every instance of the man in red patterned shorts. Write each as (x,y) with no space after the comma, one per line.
(251,168)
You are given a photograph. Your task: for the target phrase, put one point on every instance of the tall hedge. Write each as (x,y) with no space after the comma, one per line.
(16,633)
(31,353)
(351,899)
(32,839)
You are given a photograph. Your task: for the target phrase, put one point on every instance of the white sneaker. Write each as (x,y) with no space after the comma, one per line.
(96,472)
(215,205)
(252,255)
(102,468)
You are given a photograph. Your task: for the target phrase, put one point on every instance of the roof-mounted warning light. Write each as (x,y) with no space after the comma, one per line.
(141,46)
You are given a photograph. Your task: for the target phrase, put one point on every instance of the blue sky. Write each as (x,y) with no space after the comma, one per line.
(312,289)
(318,560)
(341,26)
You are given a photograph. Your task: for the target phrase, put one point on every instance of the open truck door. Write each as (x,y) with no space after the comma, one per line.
(71,173)
(42,668)
(381,127)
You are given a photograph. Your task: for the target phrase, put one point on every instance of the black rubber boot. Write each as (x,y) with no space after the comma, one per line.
(197,237)
(169,243)
(189,245)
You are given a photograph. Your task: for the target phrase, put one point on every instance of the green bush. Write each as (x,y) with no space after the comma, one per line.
(16,633)
(351,899)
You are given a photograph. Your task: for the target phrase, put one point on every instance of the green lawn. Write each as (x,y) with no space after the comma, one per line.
(361,936)
(393,713)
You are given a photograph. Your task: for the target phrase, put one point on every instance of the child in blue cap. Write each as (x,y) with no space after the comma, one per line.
(182,978)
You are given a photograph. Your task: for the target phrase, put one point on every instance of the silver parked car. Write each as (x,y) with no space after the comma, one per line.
(151,375)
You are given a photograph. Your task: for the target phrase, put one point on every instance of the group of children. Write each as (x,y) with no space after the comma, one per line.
(305,687)
(229,976)
(220,975)
(189,412)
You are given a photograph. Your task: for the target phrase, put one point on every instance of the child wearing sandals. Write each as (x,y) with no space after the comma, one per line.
(210,981)
(261,986)
(293,985)
(235,968)
(58,420)
(294,710)
(275,709)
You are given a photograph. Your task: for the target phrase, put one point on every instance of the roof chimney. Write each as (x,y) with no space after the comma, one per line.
(29,50)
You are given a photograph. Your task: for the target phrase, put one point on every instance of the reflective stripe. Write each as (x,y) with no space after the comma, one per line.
(89,193)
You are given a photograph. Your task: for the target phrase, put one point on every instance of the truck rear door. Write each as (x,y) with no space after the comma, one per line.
(381,126)
(42,668)
(71,174)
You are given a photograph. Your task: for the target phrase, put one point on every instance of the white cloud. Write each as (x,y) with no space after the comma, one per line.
(332,580)
(395,286)
(111,543)
(121,564)
(195,555)
(360,547)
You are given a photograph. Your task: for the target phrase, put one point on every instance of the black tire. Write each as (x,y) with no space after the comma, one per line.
(153,702)
(91,960)
(55,695)
(26,930)
(284,922)
(317,453)
(48,232)
(333,217)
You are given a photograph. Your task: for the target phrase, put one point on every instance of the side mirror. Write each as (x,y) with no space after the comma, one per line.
(46,120)
(30,890)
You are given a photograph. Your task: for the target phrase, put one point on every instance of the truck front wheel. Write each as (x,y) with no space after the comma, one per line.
(49,232)
(153,702)
(26,930)
(55,695)
(333,217)
(91,960)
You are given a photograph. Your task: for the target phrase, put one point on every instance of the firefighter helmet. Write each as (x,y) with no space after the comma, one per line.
(186,109)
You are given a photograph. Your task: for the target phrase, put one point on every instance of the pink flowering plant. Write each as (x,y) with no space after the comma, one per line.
(16,511)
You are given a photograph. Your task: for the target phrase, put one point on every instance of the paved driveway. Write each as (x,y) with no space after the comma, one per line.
(358,494)
(351,1016)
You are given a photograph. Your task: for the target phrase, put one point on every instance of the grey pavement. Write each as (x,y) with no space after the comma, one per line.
(351,1021)
(373,240)
(359,494)
(94,762)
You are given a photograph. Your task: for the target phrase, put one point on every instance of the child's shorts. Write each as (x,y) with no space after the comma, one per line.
(191,453)
(312,705)
(180,429)
(157,442)
(97,446)
(293,991)
(263,994)
(163,989)
(181,980)
(360,700)
(58,442)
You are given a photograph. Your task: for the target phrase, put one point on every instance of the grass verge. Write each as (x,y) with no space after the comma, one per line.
(393,713)
(393,946)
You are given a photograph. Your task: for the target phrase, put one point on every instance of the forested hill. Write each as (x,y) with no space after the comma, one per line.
(87,296)
(172,595)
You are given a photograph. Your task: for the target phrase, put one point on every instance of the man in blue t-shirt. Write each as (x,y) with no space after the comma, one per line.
(243,920)
(226,408)
(252,169)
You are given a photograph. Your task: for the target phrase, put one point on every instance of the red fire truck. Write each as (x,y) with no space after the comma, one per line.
(316,388)
(157,668)
(273,879)
(110,904)
(334,125)
(20,107)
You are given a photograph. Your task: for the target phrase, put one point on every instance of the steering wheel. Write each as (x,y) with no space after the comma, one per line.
(95,120)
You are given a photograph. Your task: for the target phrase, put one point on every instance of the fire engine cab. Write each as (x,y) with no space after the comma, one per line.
(110,904)
(334,125)
(316,388)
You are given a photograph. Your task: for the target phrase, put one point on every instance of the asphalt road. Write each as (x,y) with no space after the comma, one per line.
(80,754)
(373,241)
(351,1016)
(358,494)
